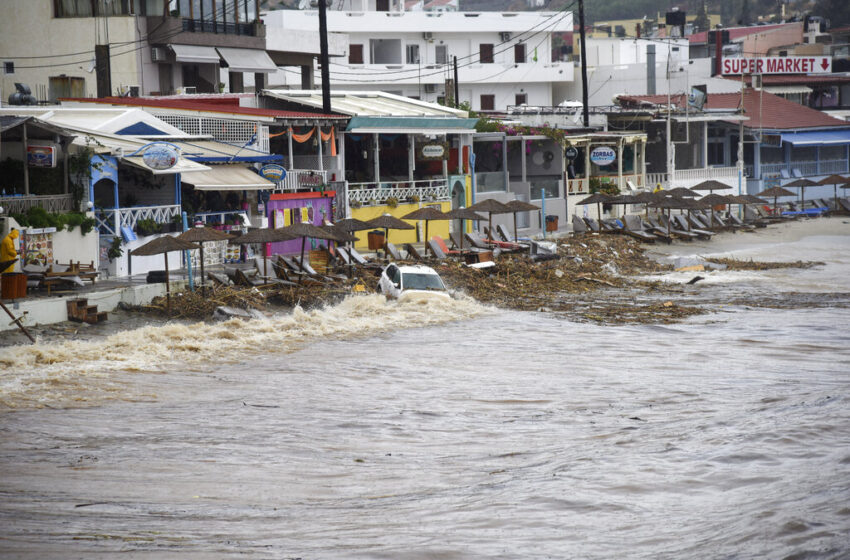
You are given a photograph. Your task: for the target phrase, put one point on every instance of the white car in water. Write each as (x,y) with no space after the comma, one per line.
(403,281)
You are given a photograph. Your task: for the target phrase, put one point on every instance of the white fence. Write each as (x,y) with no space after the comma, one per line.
(110,221)
(691,177)
(52,203)
(374,193)
(302,178)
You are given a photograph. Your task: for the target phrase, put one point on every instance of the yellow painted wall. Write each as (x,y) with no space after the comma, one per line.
(400,236)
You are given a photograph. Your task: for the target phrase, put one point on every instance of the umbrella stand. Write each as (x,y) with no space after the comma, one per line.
(516,235)
(386,239)
(668,222)
(203,276)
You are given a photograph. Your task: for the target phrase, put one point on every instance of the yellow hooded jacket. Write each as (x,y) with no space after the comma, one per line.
(7,246)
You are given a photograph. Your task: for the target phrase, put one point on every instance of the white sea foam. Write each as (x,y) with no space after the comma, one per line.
(49,373)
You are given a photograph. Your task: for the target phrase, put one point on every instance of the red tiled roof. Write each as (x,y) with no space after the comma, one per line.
(781,79)
(735,32)
(763,109)
(212,104)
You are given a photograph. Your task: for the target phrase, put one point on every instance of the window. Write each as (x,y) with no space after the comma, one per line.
(441,54)
(413,54)
(8,67)
(355,55)
(519,52)
(549,186)
(488,102)
(521,99)
(382,5)
(485,52)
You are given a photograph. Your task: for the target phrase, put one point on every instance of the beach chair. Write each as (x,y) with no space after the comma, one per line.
(412,252)
(844,205)
(473,240)
(655,230)
(442,245)
(436,250)
(675,230)
(683,224)
(592,225)
(783,173)
(795,173)
(578,225)
(632,227)
(392,251)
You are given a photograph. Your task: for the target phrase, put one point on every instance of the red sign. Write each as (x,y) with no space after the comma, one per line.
(41,156)
(778,65)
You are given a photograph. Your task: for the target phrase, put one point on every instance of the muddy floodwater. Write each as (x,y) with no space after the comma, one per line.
(449,429)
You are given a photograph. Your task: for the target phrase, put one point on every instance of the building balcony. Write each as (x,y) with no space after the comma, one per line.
(111,220)
(360,194)
(184,31)
(51,203)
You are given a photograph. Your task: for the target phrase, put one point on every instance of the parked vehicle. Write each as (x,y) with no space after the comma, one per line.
(401,282)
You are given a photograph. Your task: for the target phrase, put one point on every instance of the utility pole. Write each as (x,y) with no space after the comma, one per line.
(583,63)
(457,90)
(324,60)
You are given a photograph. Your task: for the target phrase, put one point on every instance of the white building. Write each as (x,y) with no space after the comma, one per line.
(503,59)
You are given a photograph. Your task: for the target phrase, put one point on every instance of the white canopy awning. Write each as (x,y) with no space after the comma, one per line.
(227,178)
(779,90)
(247,60)
(195,54)
(183,166)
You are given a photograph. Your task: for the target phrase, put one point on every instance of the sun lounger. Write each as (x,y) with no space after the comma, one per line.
(442,245)
(412,252)
(219,278)
(436,250)
(682,223)
(392,251)
(592,225)
(632,227)
(473,240)
(578,225)
(844,204)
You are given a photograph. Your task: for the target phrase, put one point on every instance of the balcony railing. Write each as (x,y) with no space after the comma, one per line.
(691,177)
(209,26)
(52,203)
(805,168)
(110,221)
(302,179)
(374,193)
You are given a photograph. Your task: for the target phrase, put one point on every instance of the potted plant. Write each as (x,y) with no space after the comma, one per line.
(147,227)
(392,202)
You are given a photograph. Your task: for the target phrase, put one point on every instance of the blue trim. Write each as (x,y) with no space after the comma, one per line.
(266,158)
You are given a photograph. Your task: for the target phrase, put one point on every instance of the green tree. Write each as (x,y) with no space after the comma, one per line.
(836,11)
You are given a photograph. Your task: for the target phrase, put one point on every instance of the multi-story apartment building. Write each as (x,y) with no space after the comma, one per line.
(503,59)
(85,48)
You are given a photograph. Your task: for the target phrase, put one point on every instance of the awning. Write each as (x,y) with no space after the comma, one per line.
(247,60)
(779,90)
(183,166)
(817,137)
(195,54)
(227,178)
(411,125)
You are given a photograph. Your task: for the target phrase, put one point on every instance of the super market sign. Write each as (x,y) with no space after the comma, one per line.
(777,65)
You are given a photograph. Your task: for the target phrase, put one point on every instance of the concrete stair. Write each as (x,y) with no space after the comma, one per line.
(80,311)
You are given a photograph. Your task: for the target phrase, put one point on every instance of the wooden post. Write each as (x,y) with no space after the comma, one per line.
(167,285)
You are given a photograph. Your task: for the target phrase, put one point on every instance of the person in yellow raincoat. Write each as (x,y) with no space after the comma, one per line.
(658,188)
(7,249)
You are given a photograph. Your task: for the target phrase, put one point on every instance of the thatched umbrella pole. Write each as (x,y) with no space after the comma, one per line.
(203,275)
(167,285)
(301,262)
(516,235)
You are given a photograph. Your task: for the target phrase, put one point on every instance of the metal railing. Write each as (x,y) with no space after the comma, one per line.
(374,193)
(212,26)
(111,220)
(694,176)
(806,168)
(53,203)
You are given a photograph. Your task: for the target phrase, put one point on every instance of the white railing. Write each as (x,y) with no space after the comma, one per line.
(53,203)
(110,221)
(653,179)
(691,177)
(218,218)
(806,168)
(302,178)
(373,193)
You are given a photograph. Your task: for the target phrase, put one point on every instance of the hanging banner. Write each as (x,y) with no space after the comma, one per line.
(777,65)
(41,156)
(273,172)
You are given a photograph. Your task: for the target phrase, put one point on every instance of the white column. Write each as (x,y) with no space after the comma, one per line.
(377,149)
(321,148)
(411,157)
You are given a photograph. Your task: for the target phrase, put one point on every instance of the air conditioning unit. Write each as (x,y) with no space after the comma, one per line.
(134,91)
(504,36)
(190,90)
(157,54)
(428,36)
(430,88)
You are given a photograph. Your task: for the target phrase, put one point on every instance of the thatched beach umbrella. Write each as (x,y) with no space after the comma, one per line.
(711,185)
(669,202)
(426,213)
(518,206)
(776,192)
(597,199)
(199,235)
(465,214)
(834,180)
(715,200)
(263,236)
(388,222)
(682,192)
(801,184)
(694,204)
(644,198)
(305,230)
(351,225)
(490,206)
(163,245)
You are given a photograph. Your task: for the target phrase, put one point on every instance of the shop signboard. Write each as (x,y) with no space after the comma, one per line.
(273,172)
(41,156)
(160,156)
(603,155)
(571,152)
(777,65)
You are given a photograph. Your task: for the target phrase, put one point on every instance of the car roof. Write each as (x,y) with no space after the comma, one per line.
(417,268)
